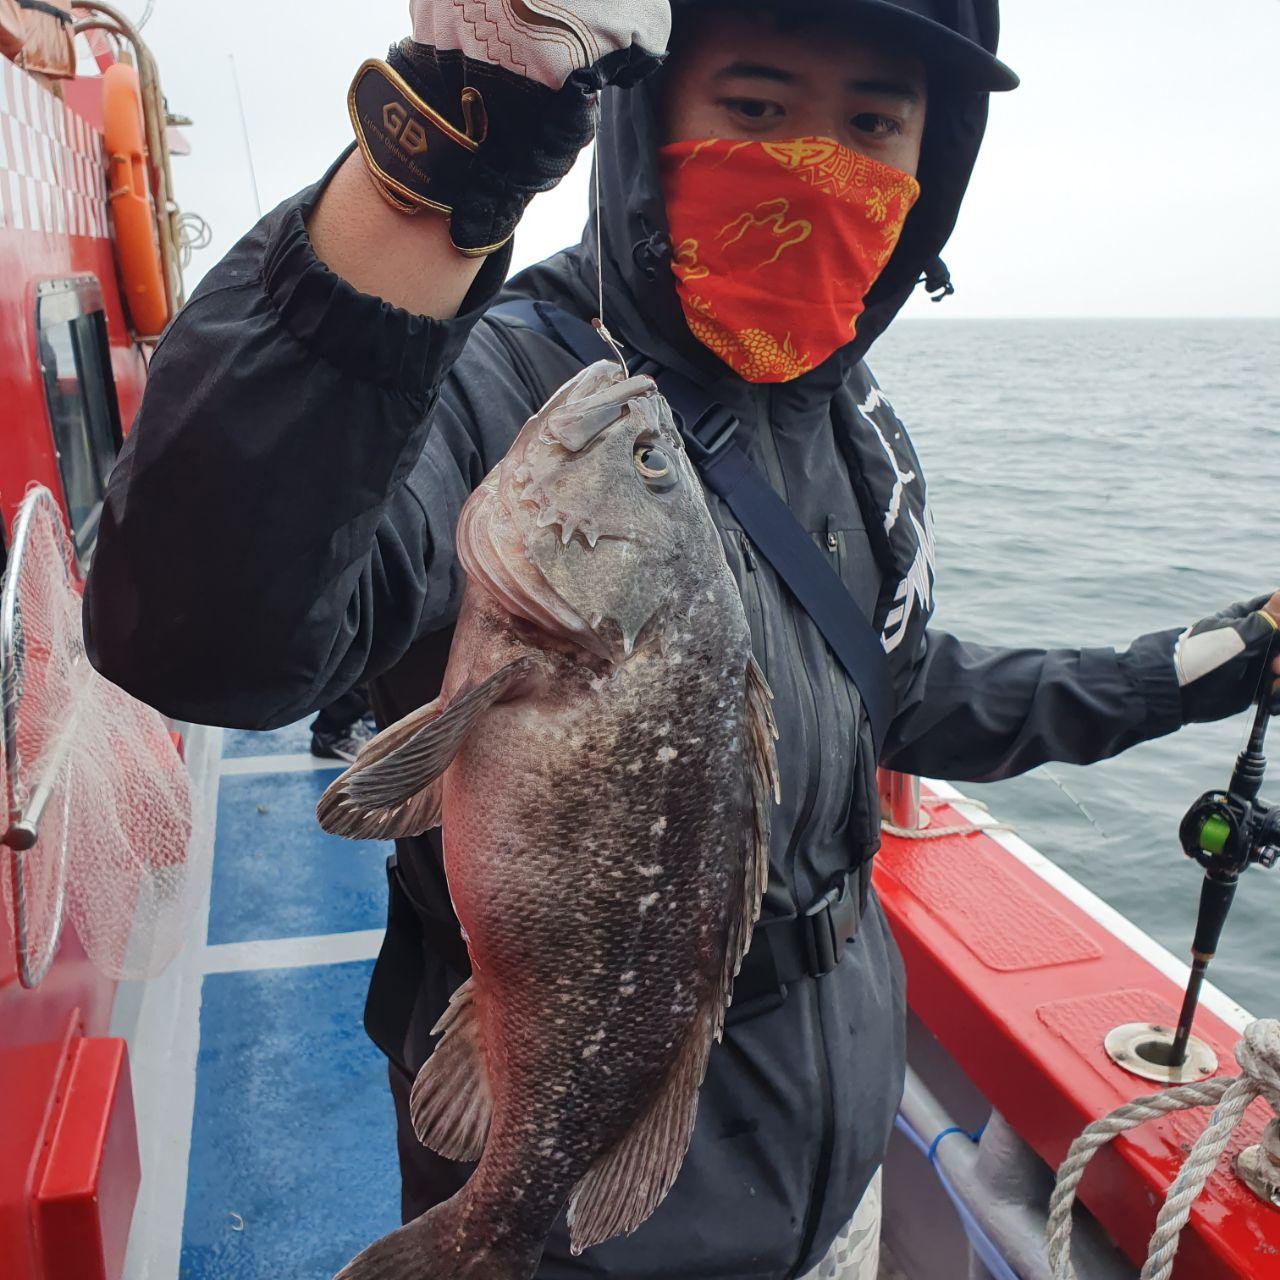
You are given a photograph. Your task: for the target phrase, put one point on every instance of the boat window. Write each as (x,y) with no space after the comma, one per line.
(75,367)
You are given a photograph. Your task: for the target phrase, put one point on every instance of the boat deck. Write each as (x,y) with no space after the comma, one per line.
(264,1104)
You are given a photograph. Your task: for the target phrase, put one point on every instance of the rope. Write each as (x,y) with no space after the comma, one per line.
(1258,1054)
(194,233)
(937,833)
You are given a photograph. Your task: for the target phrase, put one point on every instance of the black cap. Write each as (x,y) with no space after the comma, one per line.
(955,39)
(947,35)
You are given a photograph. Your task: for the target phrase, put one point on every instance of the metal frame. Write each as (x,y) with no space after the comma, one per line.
(65,300)
(61,299)
(23,819)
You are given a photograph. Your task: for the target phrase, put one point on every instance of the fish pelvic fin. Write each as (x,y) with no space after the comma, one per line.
(450,1104)
(436,1247)
(393,788)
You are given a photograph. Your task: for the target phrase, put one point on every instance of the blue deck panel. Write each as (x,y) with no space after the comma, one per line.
(277,875)
(293,739)
(293,1162)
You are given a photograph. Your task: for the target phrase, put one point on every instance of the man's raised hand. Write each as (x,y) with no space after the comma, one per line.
(491,101)
(1219,660)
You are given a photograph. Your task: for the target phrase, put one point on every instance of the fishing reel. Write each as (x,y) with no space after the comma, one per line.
(1226,832)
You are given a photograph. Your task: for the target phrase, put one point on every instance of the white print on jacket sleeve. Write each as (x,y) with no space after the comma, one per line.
(901,478)
(917,586)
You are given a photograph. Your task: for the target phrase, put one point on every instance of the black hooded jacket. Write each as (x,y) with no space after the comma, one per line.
(280,527)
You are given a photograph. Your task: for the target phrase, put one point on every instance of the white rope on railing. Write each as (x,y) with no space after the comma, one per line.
(1258,1054)
(937,833)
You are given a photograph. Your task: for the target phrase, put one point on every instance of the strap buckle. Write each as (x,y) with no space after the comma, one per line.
(829,923)
(709,435)
(821,946)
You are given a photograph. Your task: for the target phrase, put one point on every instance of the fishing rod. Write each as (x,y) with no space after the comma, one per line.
(1226,832)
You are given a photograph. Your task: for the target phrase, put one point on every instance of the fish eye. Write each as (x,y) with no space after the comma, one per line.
(655,466)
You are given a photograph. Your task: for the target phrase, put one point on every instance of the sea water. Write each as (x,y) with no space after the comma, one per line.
(1091,481)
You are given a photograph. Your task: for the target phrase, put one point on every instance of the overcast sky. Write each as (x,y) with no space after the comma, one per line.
(1134,173)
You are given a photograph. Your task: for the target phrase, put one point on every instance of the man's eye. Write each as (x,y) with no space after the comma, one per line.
(875,125)
(755,109)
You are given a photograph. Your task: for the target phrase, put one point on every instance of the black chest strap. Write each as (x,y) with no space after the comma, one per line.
(710,434)
(786,949)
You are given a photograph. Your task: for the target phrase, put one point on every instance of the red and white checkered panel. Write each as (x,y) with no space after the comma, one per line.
(52,167)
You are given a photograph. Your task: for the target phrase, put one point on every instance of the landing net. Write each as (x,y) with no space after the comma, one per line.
(93,782)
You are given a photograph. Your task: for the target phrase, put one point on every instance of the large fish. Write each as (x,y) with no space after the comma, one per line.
(601,760)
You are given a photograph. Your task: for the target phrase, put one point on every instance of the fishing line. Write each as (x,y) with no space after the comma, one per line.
(595,178)
(598,322)
(1079,804)
(1273,650)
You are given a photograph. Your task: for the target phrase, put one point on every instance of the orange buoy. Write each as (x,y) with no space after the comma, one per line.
(137,243)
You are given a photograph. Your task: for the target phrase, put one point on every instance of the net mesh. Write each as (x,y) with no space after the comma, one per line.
(118,847)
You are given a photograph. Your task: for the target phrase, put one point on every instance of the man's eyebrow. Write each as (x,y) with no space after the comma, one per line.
(900,89)
(756,71)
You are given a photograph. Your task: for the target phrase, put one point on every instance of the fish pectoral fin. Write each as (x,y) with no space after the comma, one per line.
(450,1103)
(628,1182)
(393,788)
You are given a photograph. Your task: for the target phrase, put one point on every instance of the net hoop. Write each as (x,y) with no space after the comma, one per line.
(102,826)
(33,954)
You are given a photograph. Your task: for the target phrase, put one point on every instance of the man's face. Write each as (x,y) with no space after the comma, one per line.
(738,76)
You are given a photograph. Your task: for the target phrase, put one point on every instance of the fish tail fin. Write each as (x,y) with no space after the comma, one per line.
(433,1247)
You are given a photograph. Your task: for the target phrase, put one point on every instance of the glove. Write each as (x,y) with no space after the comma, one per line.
(1220,660)
(492,100)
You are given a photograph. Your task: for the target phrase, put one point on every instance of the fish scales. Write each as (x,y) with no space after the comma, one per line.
(603,970)
(601,760)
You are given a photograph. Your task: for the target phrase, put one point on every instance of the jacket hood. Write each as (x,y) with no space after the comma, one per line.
(628,220)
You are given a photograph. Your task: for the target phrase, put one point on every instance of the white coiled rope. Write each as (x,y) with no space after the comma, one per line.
(1258,1054)
(939,833)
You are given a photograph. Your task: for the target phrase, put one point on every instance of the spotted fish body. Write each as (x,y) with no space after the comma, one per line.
(601,759)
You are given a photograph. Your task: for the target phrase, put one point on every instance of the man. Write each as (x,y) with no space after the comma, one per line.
(322,408)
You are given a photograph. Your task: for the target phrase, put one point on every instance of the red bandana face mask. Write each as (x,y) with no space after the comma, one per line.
(775,245)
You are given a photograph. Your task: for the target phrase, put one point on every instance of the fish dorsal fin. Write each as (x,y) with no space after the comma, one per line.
(762,777)
(393,789)
(450,1103)
(629,1181)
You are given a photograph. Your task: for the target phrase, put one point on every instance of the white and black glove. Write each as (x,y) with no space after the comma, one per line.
(1220,661)
(491,100)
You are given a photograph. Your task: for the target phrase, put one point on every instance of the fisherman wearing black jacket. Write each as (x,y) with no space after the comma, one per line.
(280,525)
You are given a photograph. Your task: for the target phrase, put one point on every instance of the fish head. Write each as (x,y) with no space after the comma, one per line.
(595,522)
